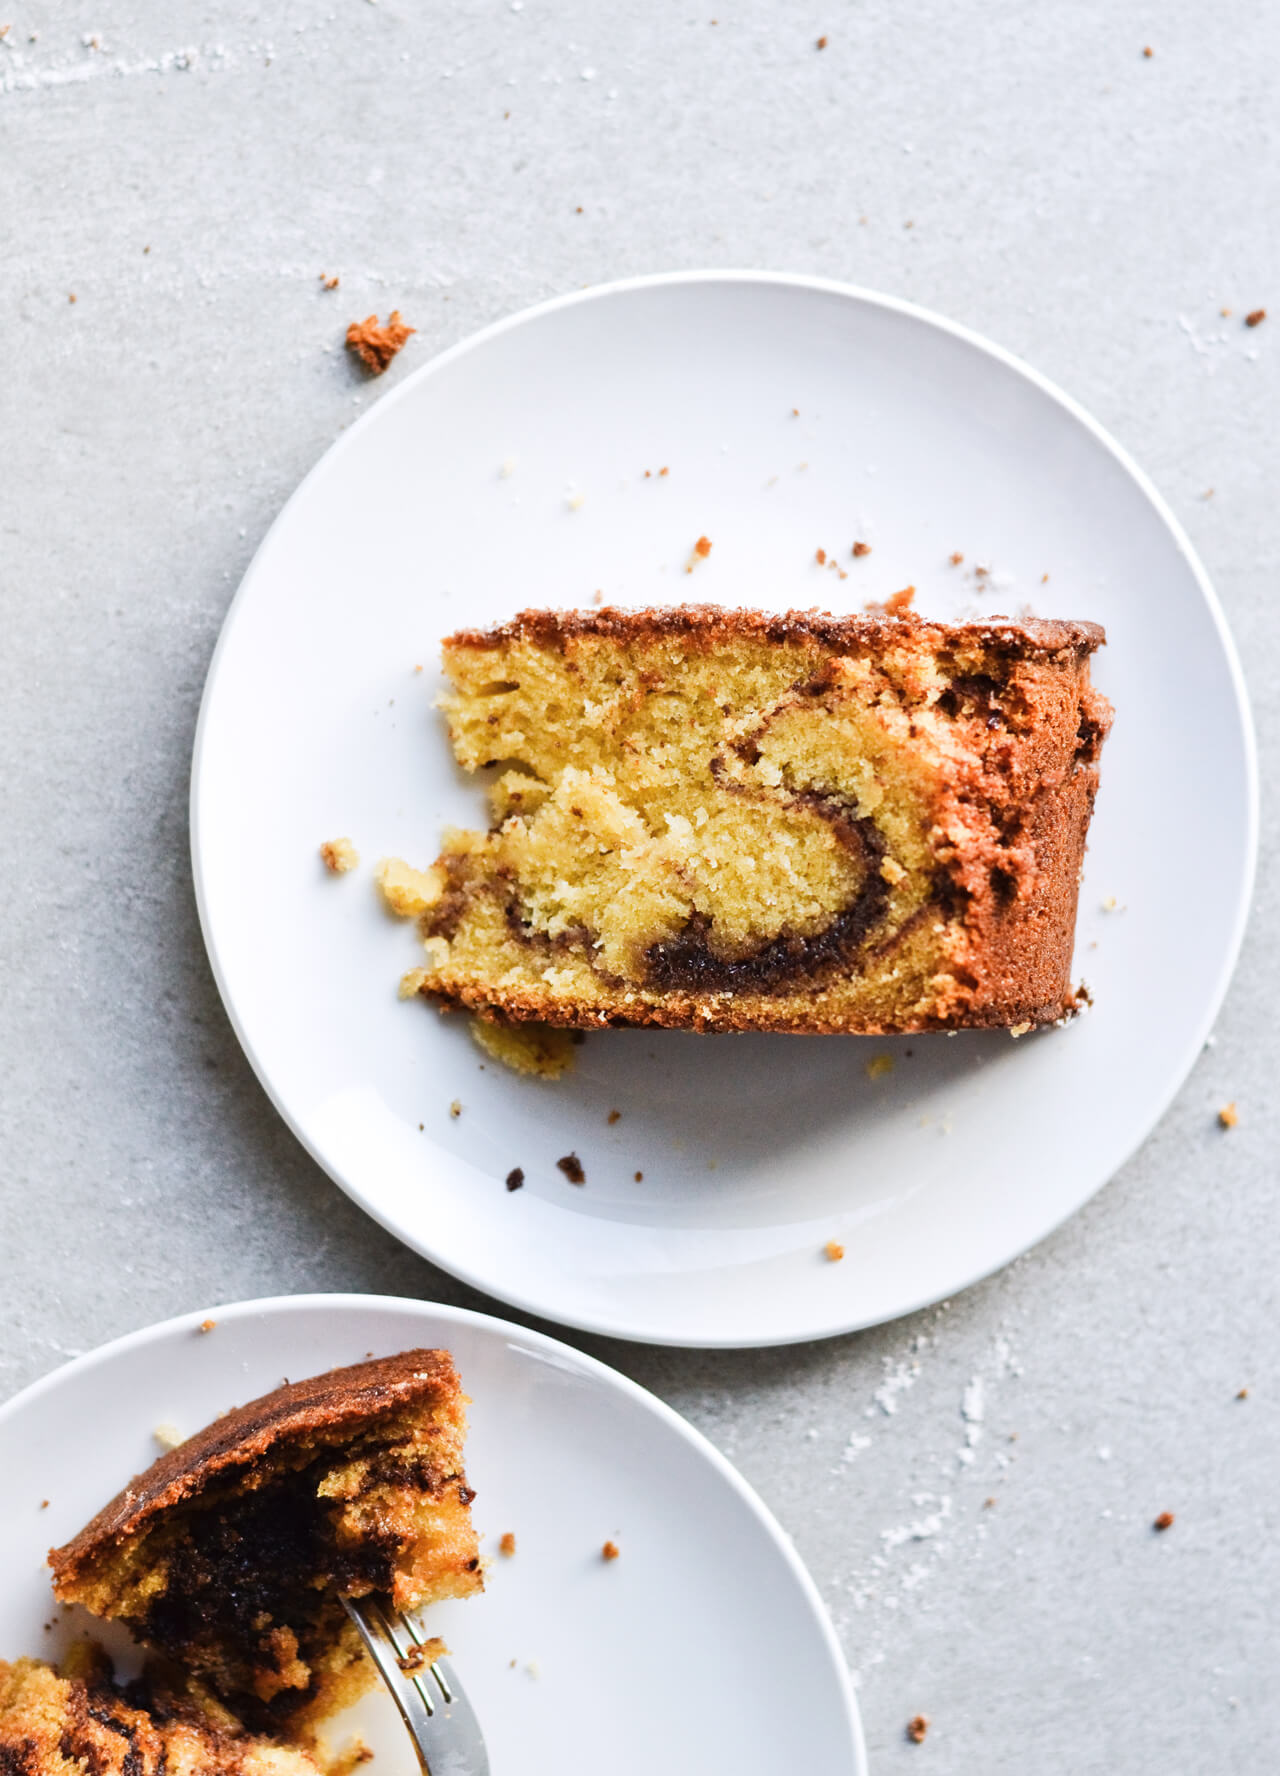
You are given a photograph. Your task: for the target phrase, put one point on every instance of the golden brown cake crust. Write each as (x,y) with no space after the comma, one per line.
(1030,637)
(296,1412)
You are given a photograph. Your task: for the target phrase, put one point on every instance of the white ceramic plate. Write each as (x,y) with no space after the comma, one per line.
(703,1647)
(910,434)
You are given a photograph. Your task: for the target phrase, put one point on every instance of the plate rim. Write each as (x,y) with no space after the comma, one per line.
(159,1332)
(682,1339)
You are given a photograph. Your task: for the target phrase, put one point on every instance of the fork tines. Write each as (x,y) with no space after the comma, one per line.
(431,1700)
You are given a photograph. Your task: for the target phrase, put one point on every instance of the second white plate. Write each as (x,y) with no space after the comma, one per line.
(703,1647)
(792,415)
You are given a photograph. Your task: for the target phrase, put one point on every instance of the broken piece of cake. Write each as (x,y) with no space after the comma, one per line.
(76,1721)
(230,1556)
(725,820)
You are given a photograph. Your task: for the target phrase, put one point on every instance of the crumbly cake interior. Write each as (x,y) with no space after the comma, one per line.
(76,1723)
(240,1586)
(713,818)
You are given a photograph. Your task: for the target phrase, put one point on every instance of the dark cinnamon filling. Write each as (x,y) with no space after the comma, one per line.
(240,1578)
(691,962)
(264,1562)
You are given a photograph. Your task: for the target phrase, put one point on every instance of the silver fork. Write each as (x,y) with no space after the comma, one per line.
(432,1703)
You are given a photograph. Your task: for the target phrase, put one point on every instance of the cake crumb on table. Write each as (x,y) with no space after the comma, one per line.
(44,1504)
(610,1551)
(507,1545)
(1147,52)
(374,345)
(1242,1394)
(455,1109)
(861,549)
(1229,1116)
(639,1177)
(834,1251)
(917,1727)
(515,1177)
(339,856)
(330,283)
(1254,318)
(1163,1521)
(988,1504)
(955,558)
(822,43)
(571,1166)
(613,1116)
(701,549)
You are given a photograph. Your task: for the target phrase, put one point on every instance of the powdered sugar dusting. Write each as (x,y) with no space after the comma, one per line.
(934,1526)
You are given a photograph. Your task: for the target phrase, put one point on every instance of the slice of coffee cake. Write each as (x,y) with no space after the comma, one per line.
(230,1556)
(731,821)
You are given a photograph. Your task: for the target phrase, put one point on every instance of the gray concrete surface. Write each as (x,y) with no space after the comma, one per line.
(1025,169)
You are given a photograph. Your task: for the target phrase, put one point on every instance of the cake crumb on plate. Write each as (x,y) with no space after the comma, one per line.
(409,892)
(834,1250)
(701,549)
(507,1544)
(897,604)
(1163,1521)
(533,1049)
(917,1727)
(1229,1116)
(339,856)
(610,1551)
